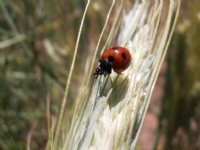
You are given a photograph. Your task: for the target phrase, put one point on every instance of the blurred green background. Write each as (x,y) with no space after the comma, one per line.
(37,43)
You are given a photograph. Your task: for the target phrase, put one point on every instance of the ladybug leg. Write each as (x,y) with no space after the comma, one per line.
(95,75)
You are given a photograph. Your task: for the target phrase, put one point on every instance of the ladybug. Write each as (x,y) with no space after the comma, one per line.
(116,58)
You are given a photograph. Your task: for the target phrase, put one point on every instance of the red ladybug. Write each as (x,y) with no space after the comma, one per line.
(116,58)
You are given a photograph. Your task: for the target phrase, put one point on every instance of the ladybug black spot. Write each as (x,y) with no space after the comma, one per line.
(123,67)
(123,55)
(111,59)
(115,48)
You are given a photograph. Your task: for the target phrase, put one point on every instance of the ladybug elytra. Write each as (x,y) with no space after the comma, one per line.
(116,58)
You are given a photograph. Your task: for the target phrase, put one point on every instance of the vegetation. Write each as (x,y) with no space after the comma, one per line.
(38,39)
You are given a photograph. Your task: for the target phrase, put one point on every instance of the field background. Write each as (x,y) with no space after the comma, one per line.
(37,43)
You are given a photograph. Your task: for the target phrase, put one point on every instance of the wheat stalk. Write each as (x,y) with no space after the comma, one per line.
(110,112)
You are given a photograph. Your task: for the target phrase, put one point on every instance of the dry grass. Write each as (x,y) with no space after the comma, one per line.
(96,124)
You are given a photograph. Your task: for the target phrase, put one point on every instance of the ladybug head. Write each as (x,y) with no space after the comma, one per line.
(99,71)
(104,68)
